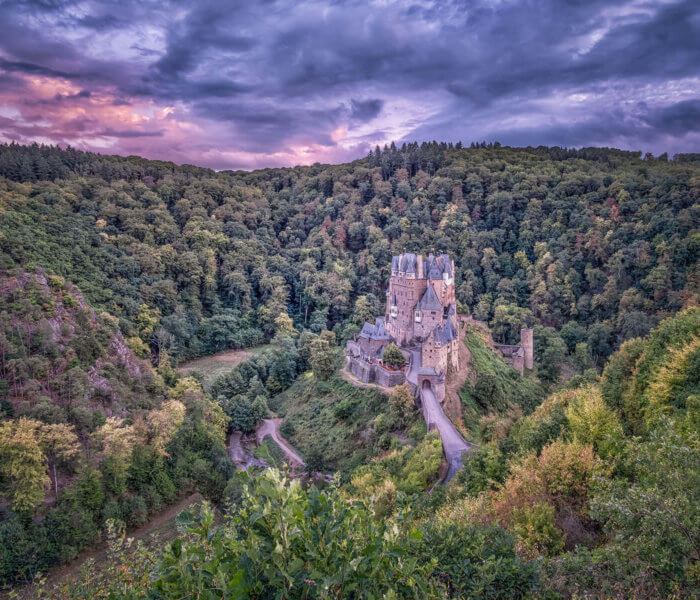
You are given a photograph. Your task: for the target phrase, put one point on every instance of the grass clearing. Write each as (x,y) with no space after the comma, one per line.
(210,367)
(271,453)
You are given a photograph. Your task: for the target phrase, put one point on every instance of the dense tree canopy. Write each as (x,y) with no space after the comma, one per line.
(596,241)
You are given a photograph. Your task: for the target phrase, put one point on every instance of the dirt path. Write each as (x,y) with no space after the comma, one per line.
(271,427)
(99,552)
(240,455)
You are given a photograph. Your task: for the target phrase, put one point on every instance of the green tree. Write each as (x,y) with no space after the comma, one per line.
(61,446)
(363,312)
(393,357)
(536,531)
(323,358)
(402,407)
(22,463)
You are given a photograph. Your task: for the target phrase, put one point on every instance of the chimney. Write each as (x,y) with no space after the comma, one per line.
(419,267)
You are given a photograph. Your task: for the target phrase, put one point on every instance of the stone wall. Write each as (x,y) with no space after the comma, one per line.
(388,378)
(436,384)
(434,357)
(374,373)
(518,363)
(428,322)
(361,369)
(408,292)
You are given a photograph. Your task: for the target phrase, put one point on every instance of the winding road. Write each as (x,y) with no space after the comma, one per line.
(244,458)
(271,427)
(453,444)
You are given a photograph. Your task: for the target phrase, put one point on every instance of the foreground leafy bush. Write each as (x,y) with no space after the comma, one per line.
(476,562)
(285,542)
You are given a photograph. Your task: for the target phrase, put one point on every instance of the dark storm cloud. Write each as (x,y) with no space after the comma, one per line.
(365,110)
(266,77)
(126,133)
(677,119)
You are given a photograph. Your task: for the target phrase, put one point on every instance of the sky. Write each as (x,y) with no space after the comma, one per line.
(253,84)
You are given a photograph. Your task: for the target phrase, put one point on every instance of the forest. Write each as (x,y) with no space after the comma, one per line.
(584,482)
(595,246)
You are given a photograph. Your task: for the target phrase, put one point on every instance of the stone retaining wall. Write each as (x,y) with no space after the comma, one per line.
(389,378)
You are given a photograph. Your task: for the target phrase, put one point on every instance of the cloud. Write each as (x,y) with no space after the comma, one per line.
(365,110)
(239,84)
(129,133)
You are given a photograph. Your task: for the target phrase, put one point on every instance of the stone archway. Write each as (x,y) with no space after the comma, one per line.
(426,385)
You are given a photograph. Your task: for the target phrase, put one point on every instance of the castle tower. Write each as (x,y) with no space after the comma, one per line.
(527,343)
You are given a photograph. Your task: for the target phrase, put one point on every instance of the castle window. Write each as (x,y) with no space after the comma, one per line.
(417,316)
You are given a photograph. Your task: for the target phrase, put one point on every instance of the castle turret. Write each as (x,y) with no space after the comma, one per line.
(527,343)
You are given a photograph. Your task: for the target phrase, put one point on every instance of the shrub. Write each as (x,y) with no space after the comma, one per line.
(112,510)
(380,424)
(418,431)
(90,491)
(562,476)
(165,486)
(154,501)
(537,533)
(135,511)
(323,358)
(423,466)
(475,562)
(295,543)
(592,422)
(342,408)
(402,408)
(484,468)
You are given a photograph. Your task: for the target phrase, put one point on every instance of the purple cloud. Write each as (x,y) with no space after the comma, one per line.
(274,83)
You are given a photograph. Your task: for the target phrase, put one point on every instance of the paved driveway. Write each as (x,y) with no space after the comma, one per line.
(453,444)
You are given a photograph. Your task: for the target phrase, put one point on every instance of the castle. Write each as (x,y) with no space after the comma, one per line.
(421,318)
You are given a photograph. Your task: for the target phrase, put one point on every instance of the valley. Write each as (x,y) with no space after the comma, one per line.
(486,356)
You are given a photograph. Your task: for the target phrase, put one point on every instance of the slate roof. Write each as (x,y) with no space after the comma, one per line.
(445,334)
(510,350)
(409,263)
(394,263)
(436,266)
(429,301)
(376,331)
(446,264)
